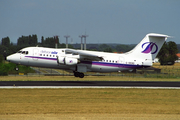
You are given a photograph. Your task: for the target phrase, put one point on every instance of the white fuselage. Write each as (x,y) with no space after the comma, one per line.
(47,57)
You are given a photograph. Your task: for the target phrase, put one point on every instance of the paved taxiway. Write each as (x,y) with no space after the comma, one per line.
(89,84)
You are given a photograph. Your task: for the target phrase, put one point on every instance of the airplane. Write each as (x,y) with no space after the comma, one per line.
(81,61)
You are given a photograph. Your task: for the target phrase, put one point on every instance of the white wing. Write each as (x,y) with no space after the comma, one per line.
(83,55)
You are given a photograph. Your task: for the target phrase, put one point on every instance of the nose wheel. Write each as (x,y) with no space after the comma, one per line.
(79,74)
(16,68)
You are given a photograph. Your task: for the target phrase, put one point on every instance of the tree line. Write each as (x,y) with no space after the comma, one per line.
(167,54)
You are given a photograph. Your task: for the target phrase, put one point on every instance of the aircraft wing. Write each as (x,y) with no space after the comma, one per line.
(84,55)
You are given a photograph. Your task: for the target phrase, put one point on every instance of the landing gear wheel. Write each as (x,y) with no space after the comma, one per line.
(81,75)
(78,74)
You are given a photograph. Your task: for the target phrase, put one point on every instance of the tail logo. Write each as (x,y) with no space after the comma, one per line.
(149,47)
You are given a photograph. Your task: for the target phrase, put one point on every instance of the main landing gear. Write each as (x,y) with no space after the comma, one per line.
(79,74)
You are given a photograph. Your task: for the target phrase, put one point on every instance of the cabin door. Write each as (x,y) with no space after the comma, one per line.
(35,54)
(121,61)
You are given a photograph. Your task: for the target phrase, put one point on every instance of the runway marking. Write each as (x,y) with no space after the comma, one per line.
(81,87)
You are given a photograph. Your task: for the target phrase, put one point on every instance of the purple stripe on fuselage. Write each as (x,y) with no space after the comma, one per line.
(44,58)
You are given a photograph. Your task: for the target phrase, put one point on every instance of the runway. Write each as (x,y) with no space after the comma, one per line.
(90,84)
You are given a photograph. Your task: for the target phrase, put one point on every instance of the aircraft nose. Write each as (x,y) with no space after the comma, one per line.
(8,58)
(14,58)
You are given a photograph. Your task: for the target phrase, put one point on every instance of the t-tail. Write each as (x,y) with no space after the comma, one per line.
(146,51)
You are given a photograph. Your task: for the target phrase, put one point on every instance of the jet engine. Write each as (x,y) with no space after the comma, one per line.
(70,61)
(66,60)
(60,60)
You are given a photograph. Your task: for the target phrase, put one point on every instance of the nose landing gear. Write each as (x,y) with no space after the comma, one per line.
(16,68)
(79,74)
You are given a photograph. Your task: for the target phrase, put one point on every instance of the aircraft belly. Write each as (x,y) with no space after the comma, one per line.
(100,68)
(106,67)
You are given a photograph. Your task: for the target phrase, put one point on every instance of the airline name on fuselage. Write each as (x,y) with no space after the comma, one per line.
(48,52)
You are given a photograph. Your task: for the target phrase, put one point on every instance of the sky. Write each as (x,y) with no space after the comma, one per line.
(104,21)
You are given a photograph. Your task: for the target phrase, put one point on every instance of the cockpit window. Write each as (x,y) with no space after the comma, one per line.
(27,52)
(23,52)
(19,52)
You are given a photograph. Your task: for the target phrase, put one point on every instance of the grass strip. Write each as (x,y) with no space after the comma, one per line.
(86,78)
(89,101)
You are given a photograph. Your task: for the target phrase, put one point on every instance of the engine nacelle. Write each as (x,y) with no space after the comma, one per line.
(66,60)
(71,61)
(60,60)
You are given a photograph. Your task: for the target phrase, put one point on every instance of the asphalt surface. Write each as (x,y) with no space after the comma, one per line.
(91,83)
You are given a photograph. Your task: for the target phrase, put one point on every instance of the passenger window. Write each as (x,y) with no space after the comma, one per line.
(26,52)
(109,60)
(106,60)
